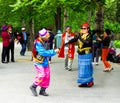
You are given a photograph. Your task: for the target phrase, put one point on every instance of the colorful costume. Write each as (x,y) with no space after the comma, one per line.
(40,56)
(69,52)
(43,70)
(85,68)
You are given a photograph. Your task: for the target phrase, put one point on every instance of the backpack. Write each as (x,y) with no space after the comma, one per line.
(37,57)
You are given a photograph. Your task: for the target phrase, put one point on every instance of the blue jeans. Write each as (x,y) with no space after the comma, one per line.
(23,50)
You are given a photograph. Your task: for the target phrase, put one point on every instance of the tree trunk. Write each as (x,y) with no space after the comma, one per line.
(58,23)
(89,16)
(31,37)
(118,11)
(99,19)
(65,17)
(31,29)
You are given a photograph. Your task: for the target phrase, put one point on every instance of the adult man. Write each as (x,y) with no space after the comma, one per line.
(67,51)
(23,36)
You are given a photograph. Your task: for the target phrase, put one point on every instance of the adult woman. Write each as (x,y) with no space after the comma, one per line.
(5,42)
(85,68)
(105,50)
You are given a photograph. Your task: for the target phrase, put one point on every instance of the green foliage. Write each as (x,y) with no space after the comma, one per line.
(117,43)
(43,11)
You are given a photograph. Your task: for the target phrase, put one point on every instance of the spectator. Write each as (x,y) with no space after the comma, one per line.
(58,38)
(96,47)
(5,43)
(23,37)
(11,45)
(50,41)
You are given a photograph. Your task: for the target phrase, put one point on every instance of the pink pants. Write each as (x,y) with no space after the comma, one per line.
(42,78)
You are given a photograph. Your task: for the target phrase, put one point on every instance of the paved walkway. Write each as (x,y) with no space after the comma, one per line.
(15,79)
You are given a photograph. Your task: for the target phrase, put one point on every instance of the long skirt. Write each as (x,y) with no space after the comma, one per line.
(85,69)
(42,78)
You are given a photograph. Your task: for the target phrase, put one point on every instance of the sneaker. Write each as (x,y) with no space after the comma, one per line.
(93,63)
(106,70)
(69,69)
(66,68)
(96,63)
(111,69)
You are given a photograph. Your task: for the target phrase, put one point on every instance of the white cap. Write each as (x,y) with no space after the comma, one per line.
(23,28)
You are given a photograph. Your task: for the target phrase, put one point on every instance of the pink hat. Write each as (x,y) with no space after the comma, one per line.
(43,32)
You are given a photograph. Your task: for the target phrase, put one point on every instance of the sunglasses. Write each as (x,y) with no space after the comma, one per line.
(84,28)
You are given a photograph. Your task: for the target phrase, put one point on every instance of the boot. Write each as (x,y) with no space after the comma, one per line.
(42,92)
(33,89)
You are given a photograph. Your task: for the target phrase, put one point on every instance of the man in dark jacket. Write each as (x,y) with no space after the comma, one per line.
(23,36)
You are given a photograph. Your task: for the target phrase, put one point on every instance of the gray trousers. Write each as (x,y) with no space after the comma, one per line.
(68,62)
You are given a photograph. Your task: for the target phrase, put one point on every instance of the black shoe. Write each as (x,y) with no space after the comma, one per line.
(42,92)
(12,61)
(82,85)
(4,62)
(111,69)
(33,89)
(69,69)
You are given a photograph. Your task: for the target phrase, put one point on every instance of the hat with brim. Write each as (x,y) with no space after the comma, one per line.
(42,32)
(4,27)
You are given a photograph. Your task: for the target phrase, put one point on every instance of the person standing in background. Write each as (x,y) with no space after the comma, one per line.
(5,43)
(23,36)
(50,41)
(11,45)
(96,47)
(58,39)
